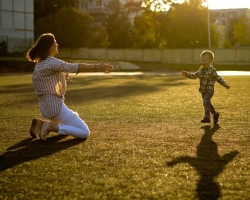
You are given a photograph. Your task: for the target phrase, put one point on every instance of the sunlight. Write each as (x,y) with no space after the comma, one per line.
(158,5)
(225,4)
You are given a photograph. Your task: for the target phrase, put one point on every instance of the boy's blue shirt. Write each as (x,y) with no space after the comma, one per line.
(208,76)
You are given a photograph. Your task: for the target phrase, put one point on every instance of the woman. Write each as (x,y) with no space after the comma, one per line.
(49,80)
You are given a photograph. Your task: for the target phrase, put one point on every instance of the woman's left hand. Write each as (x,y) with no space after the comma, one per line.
(68,77)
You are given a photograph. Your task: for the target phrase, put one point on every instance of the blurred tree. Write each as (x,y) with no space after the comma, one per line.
(70,26)
(118,25)
(150,28)
(189,28)
(99,38)
(43,8)
(214,36)
(242,31)
(168,23)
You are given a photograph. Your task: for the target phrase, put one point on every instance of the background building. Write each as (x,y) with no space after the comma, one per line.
(97,9)
(17,24)
(227,18)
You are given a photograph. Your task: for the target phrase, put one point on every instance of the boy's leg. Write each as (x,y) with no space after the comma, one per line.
(208,107)
(215,114)
(212,109)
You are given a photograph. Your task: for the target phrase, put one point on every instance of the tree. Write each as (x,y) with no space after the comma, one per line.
(182,26)
(43,8)
(118,25)
(69,25)
(242,31)
(150,29)
(99,38)
(188,23)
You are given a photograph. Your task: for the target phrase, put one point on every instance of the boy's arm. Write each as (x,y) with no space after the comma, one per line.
(191,75)
(220,80)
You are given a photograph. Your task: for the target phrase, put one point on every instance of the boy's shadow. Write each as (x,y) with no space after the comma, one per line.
(30,149)
(208,163)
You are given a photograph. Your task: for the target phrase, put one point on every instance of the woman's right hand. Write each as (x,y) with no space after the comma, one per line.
(102,66)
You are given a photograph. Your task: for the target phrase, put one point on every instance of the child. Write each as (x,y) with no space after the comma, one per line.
(207,75)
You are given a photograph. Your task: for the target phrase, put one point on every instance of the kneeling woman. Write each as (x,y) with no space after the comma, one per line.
(49,80)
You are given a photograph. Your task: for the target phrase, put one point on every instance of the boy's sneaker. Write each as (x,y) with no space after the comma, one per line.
(216,117)
(205,120)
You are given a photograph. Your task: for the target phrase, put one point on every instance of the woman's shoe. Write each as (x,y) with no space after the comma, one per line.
(44,130)
(35,127)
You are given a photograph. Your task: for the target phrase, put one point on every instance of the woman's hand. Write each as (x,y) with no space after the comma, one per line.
(102,66)
(68,77)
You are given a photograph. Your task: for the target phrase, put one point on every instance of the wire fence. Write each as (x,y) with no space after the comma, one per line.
(15,44)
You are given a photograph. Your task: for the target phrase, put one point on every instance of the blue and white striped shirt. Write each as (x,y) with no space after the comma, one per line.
(50,84)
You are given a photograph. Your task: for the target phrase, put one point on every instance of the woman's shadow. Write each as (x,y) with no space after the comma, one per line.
(208,163)
(30,149)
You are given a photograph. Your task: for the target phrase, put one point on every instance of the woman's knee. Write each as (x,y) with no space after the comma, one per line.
(85,132)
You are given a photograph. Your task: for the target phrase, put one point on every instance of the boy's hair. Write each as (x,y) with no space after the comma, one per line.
(209,53)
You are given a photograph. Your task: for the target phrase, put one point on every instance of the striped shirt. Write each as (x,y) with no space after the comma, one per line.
(50,84)
(208,77)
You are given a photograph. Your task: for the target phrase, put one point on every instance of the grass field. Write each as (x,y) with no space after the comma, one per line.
(21,64)
(146,141)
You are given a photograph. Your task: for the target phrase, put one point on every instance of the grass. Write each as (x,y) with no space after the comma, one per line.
(20,63)
(146,141)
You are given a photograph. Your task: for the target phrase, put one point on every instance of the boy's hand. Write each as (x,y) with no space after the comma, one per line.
(183,72)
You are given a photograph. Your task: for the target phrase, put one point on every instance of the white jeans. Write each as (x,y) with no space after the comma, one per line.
(69,123)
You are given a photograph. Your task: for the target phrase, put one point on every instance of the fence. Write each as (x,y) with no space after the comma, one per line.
(17,44)
(240,56)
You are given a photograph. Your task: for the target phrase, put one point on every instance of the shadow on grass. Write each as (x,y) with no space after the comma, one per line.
(30,149)
(208,163)
(134,86)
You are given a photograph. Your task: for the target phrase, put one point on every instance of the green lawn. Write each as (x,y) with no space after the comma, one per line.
(20,64)
(146,141)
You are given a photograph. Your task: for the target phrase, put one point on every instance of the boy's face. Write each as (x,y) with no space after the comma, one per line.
(205,61)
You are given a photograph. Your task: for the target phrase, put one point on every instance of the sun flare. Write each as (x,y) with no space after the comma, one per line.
(226,4)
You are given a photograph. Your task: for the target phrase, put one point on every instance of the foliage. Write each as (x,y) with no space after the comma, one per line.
(44,8)
(183,26)
(73,31)
(99,38)
(146,141)
(230,36)
(214,36)
(188,24)
(156,24)
(3,48)
(118,25)
(150,28)
(242,31)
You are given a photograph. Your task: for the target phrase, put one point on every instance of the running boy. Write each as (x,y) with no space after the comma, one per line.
(208,76)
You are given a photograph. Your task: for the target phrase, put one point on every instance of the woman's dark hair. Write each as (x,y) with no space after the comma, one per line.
(40,49)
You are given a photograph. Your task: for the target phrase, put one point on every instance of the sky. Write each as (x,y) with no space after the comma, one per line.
(214,4)
(225,4)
